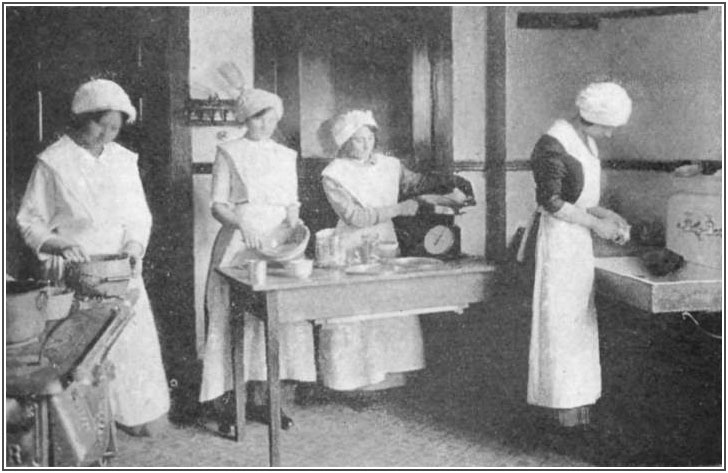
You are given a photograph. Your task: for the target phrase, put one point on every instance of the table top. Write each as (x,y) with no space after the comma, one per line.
(278,279)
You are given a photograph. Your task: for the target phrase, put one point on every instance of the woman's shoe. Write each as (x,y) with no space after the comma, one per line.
(260,414)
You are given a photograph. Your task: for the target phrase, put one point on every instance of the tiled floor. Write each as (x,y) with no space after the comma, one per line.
(661,405)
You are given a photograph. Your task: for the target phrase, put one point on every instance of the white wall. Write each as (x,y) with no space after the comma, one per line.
(218,34)
(468,52)
(671,66)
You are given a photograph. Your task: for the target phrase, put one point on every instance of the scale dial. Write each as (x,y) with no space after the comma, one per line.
(439,240)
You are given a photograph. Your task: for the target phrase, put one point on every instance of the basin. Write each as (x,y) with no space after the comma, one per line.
(692,288)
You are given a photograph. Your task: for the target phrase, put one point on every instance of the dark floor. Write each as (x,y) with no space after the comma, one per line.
(661,405)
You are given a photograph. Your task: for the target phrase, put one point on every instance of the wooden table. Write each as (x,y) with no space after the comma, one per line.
(449,287)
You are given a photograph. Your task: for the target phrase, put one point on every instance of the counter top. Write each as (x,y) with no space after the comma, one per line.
(322,277)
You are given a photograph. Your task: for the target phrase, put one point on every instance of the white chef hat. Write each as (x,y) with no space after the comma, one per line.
(604,103)
(348,123)
(253,101)
(102,94)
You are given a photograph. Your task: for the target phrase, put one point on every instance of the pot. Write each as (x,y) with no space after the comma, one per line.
(101,276)
(26,304)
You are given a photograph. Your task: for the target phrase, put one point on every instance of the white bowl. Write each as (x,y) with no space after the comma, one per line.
(285,243)
(300,268)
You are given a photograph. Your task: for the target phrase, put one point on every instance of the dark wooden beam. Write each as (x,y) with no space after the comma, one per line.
(495,134)
(557,21)
(580,20)
(653,11)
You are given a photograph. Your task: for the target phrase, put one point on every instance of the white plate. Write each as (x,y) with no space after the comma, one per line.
(415,262)
(370,269)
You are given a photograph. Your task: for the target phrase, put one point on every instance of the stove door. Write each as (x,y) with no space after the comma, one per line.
(82,428)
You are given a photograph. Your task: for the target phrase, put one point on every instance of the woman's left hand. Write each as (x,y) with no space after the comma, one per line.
(135,251)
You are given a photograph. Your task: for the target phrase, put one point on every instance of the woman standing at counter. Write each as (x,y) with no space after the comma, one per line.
(83,198)
(363,188)
(254,189)
(564,371)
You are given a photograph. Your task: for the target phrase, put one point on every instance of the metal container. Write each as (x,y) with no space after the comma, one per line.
(101,276)
(26,304)
(257,270)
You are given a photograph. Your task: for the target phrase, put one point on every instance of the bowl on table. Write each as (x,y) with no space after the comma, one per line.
(285,243)
(300,268)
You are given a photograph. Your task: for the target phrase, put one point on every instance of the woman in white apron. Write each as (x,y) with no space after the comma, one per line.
(363,188)
(254,189)
(85,197)
(564,371)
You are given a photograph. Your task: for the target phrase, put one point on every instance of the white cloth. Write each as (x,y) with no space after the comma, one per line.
(101,95)
(564,369)
(259,179)
(100,204)
(347,124)
(604,103)
(358,354)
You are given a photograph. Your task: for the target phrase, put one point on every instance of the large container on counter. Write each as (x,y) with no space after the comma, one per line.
(104,275)
(694,229)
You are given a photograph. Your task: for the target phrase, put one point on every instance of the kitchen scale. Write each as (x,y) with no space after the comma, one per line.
(432,232)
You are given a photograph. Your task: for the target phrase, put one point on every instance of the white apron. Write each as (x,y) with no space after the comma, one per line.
(263,173)
(357,354)
(564,370)
(101,205)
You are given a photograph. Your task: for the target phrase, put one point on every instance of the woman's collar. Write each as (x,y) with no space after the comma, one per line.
(370,161)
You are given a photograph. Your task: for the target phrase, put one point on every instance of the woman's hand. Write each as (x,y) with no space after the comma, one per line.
(604,213)
(251,238)
(74,253)
(135,251)
(408,207)
(607,228)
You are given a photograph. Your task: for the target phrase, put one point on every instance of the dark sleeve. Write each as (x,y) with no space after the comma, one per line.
(548,162)
(412,184)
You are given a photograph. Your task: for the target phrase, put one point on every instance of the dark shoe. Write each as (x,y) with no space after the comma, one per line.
(260,414)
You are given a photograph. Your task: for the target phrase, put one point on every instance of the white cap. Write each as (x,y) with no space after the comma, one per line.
(347,124)
(604,103)
(101,95)
(253,101)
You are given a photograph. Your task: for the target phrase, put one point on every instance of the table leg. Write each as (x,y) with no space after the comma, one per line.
(237,322)
(42,432)
(274,393)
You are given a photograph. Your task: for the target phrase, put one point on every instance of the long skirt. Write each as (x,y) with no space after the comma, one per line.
(354,355)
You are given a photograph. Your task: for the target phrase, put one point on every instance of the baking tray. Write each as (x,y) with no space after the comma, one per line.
(692,288)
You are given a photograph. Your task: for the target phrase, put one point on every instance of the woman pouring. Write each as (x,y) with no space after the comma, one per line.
(85,197)
(564,373)
(363,188)
(254,190)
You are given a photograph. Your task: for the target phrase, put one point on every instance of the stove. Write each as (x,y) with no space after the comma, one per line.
(60,413)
